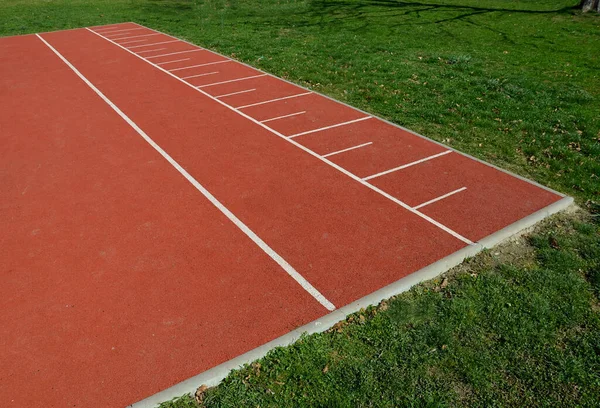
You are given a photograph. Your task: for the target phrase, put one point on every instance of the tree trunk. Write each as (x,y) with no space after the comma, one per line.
(590,5)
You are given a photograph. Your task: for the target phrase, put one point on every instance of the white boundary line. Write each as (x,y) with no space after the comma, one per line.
(195,66)
(158,49)
(307,150)
(236,221)
(348,149)
(170,62)
(134,36)
(235,93)
(283,116)
(118,31)
(134,41)
(200,75)
(273,100)
(111,27)
(458,190)
(330,127)
(408,165)
(173,53)
(146,45)
(231,80)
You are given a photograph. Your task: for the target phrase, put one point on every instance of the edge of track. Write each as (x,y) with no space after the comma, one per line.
(213,376)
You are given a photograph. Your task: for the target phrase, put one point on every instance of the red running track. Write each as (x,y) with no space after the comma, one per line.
(166,209)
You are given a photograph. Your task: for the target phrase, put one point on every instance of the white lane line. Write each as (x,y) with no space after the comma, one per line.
(235,93)
(119,31)
(135,41)
(134,36)
(157,49)
(199,65)
(330,127)
(307,150)
(109,27)
(348,149)
(458,190)
(147,45)
(170,62)
(173,53)
(199,75)
(284,116)
(232,80)
(238,223)
(407,165)
(273,100)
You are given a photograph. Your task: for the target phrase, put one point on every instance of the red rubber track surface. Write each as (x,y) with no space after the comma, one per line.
(122,279)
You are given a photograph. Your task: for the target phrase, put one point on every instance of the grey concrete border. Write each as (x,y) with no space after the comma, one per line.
(214,375)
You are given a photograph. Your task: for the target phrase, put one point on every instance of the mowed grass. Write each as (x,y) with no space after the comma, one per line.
(516,83)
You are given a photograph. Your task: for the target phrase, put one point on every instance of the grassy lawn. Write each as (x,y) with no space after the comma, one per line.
(516,83)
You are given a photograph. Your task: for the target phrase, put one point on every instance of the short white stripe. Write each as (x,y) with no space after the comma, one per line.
(173,53)
(273,100)
(440,198)
(146,45)
(329,127)
(407,165)
(134,41)
(307,150)
(134,36)
(281,117)
(235,93)
(111,31)
(199,75)
(232,80)
(348,149)
(200,65)
(170,62)
(157,49)
(238,223)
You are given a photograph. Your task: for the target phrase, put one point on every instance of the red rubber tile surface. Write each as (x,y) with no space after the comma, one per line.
(122,279)
(119,278)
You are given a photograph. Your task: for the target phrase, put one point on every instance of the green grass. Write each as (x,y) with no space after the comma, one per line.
(516,83)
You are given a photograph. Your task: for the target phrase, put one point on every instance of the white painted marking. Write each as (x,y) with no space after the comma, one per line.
(111,31)
(111,27)
(440,198)
(235,220)
(348,149)
(135,41)
(147,45)
(157,49)
(199,65)
(330,127)
(199,75)
(273,100)
(134,36)
(178,52)
(307,150)
(170,62)
(232,80)
(235,93)
(407,165)
(284,116)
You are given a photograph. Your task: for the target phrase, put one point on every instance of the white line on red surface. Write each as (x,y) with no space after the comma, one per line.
(199,65)
(170,62)
(329,127)
(407,165)
(235,93)
(174,53)
(307,150)
(283,116)
(200,75)
(147,45)
(273,100)
(134,36)
(231,80)
(236,221)
(348,149)
(458,190)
